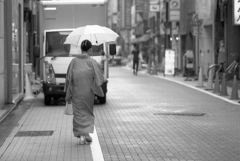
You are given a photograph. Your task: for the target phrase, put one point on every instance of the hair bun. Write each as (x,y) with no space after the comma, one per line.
(86,45)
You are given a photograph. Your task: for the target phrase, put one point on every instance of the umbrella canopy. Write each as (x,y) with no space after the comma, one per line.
(94,33)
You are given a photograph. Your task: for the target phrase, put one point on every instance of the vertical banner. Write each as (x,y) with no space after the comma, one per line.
(115,6)
(142,7)
(236,12)
(145,10)
(127,13)
(139,5)
(119,14)
(204,8)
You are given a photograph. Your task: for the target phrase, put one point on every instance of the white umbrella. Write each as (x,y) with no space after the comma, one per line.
(94,33)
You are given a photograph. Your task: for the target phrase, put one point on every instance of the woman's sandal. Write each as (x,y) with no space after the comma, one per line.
(82,140)
(88,138)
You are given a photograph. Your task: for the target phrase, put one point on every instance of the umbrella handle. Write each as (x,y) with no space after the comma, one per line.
(110,58)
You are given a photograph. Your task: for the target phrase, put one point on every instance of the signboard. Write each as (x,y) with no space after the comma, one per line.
(145,10)
(169,62)
(142,6)
(174,10)
(204,9)
(174,15)
(114,6)
(139,5)
(236,12)
(154,8)
(174,5)
(128,18)
(197,30)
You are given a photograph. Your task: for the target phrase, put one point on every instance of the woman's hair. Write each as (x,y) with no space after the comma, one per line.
(86,45)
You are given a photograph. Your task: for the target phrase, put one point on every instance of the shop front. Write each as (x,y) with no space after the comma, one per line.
(14,51)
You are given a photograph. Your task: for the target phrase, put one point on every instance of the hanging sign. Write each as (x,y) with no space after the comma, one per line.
(154,8)
(169,62)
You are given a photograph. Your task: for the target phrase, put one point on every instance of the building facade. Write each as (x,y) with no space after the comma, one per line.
(203,24)
(2,89)
(15,28)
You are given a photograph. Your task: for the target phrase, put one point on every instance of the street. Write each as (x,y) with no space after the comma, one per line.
(145,118)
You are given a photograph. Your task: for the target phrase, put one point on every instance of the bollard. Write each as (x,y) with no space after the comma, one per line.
(200,79)
(223,86)
(210,81)
(234,94)
(28,88)
(216,84)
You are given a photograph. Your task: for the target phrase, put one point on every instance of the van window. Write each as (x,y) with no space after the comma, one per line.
(55,44)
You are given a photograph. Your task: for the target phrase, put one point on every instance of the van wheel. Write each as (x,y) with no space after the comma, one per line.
(47,99)
(102,100)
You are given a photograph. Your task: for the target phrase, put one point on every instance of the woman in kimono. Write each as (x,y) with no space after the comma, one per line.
(84,79)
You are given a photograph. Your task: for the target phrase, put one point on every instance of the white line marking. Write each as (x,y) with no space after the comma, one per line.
(95,147)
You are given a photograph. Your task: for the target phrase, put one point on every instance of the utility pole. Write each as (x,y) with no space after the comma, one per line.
(197,23)
(166,25)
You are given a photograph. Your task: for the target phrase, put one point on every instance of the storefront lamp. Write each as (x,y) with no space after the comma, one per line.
(224,1)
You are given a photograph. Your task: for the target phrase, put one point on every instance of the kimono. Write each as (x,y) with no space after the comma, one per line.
(83,80)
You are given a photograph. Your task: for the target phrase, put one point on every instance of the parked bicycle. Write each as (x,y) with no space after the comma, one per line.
(233,68)
(230,71)
(217,68)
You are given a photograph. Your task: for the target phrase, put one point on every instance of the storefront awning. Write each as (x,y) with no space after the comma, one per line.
(143,38)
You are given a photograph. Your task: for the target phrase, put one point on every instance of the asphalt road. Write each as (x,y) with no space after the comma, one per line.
(148,118)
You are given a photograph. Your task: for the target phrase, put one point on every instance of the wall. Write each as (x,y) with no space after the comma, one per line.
(206,52)
(207,40)
(1,54)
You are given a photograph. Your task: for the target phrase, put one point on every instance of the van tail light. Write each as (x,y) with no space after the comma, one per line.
(50,75)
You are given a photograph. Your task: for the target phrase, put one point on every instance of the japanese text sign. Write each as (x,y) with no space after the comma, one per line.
(236,12)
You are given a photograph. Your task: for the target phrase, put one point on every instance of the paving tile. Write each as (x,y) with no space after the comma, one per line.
(128,129)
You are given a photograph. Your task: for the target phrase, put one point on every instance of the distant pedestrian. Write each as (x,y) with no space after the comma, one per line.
(135,54)
(221,54)
(84,79)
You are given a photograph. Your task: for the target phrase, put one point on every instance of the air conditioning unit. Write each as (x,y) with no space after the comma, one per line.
(28,5)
